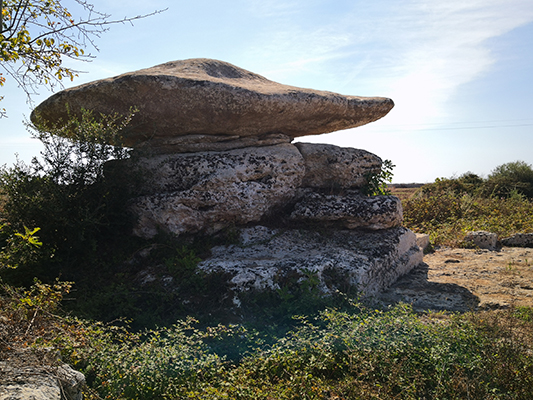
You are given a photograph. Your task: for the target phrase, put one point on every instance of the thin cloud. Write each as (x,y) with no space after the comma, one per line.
(443,45)
(418,52)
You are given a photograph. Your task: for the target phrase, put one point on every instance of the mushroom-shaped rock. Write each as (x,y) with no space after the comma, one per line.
(185,105)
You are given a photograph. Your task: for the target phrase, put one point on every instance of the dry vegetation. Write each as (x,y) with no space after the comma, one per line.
(404,191)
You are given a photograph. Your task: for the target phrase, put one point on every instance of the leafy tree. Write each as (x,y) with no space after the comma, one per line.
(37,35)
(511,178)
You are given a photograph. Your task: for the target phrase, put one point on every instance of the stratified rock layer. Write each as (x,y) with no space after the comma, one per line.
(206,192)
(341,259)
(333,167)
(208,100)
(349,211)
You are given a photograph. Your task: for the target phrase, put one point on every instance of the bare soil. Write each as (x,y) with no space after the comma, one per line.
(466,279)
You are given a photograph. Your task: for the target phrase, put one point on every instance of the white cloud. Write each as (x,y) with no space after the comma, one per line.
(441,46)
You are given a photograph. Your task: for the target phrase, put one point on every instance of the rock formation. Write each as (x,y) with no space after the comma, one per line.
(23,382)
(214,145)
(482,239)
(202,105)
(519,240)
(341,259)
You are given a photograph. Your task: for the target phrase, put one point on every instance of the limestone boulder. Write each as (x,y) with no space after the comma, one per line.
(201,98)
(519,240)
(482,239)
(349,211)
(422,239)
(340,259)
(333,167)
(206,192)
(40,383)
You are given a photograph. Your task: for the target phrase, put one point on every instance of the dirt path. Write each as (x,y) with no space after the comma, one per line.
(464,279)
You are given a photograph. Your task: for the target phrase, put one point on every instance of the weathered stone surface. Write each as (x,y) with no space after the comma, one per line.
(205,192)
(340,259)
(482,239)
(519,240)
(40,383)
(351,210)
(210,97)
(333,167)
(201,143)
(422,240)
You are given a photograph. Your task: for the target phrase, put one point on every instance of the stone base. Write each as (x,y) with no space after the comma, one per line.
(366,261)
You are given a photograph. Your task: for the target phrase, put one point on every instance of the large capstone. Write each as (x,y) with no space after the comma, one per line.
(340,259)
(206,192)
(184,105)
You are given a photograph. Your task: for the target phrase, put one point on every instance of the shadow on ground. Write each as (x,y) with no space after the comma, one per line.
(415,289)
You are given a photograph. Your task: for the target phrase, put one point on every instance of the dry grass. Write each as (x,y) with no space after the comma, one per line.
(404,192)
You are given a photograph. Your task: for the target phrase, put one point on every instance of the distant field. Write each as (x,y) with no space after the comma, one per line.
(404,191)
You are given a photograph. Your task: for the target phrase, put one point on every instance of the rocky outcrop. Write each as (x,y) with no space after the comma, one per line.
(340,259)
(349,211)
(206,192)
(212,142)
(333,167)
(203,104)
(209,191)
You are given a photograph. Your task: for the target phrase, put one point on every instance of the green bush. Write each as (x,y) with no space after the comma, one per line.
(447,218)
(18,248)
(450,207)
(376,184)
(468,183)
(65,192)
(392,354)
(505,181)
(511,178)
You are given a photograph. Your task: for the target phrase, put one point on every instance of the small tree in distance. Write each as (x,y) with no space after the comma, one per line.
(37,35)
(513,177)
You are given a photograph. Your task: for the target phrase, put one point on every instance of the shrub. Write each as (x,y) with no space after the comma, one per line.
(362,354)
(65,192)
(513,177)
(377,183)
(18,248)
(449,207)
(393,354)
(468,183)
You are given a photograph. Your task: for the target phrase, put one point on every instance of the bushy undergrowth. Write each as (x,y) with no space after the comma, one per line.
(447,216)
(449,208)
(361,354)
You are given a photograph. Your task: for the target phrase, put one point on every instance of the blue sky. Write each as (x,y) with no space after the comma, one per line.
(459,71)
